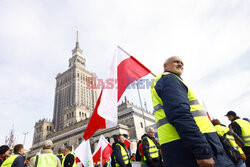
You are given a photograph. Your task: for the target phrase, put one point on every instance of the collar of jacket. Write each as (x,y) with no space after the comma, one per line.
(174,74)
(122,144)
(46,151)
(236,118)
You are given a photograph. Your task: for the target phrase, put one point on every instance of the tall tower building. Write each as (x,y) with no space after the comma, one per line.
(73,100)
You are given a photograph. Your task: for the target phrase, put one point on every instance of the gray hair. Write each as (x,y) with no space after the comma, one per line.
(150,129)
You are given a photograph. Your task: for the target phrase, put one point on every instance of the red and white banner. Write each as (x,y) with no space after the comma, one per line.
(102,151)
(124,70)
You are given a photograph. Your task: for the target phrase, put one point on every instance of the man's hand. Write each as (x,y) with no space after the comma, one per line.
(205,162)
(243,156)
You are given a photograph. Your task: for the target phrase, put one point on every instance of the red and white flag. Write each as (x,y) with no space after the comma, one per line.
(102,151)
(124,70)
(84,155)
(127,143)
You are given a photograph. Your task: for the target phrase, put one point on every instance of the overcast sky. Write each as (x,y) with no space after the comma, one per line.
(36,38)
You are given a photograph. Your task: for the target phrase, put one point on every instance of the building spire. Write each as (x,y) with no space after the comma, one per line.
(77,50)
(77,42)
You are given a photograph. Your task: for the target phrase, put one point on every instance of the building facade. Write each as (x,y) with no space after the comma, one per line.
(73,106)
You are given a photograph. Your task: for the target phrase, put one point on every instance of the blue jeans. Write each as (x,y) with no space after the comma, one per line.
(241,164)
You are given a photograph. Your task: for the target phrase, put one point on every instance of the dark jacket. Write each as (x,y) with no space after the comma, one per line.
(113,155)
(193,144)
(60,157)
(69,160)
(117,154)
(1,159)
(19,161)
(137,154)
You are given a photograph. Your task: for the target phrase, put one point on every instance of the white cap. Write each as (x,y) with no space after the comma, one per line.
(48,143)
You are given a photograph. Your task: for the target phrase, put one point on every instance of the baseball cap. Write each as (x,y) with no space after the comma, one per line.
(3,149)
(48,143)
(231,113)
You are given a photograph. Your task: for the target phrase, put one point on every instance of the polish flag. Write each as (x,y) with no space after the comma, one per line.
(124,70)
(127,143)
(84,155)
(102,151)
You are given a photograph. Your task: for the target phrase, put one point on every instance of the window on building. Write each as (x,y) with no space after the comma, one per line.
(79,140)
(141,125)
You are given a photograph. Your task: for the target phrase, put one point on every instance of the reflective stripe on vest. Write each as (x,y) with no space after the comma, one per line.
(74,164)
(9,161)
(245,130)
(167,131)
(221,130)
(153,150)
(48,159)
(124,154)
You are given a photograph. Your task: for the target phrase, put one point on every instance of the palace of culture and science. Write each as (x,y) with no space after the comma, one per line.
(73,107)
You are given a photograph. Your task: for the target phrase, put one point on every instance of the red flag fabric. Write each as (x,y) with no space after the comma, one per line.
(124,70)
(102,151)
(127,143)
(78,162)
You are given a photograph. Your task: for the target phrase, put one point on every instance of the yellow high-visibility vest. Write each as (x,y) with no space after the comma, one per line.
(245,130)
(124,156)
(9,161)
(167,131)
(48,159)
(221,130)
(153,150)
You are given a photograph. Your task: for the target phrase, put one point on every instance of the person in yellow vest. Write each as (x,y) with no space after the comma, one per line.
(60,154)
(120,153)
(4,153)
(229,134)
(69,159)
(151,149)
(186,135)
(46,158)
(17,159)
(241,128)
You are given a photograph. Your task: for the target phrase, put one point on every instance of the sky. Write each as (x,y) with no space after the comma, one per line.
(36,38)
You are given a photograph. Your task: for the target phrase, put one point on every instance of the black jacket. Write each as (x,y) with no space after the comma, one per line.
(117,154)
(19,161)
(69,160)
(193,144)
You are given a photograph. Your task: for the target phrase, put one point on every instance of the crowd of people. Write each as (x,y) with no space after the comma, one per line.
(46,158)
(186,135)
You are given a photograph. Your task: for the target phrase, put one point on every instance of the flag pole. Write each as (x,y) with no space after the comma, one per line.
(141,106)
(131,55)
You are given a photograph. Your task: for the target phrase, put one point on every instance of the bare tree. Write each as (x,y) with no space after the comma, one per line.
(10,140)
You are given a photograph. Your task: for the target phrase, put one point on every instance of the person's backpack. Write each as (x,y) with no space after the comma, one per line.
(232,153)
